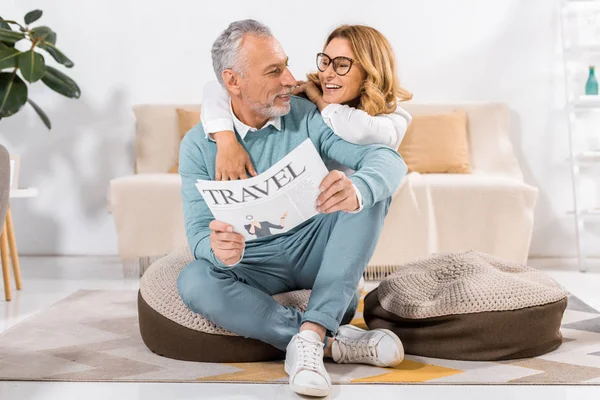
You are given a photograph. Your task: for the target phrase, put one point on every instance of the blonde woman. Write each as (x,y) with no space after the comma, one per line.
(356,89)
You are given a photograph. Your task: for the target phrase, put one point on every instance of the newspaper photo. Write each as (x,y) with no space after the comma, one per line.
(273,202)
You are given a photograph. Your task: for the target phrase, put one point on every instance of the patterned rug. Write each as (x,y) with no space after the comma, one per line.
(94,336)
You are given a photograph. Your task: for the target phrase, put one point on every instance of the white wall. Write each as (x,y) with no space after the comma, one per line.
(134,51)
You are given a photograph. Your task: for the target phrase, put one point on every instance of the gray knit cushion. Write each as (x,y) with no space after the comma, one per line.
(158,287)
(464,283)
(469,306)
(171,329)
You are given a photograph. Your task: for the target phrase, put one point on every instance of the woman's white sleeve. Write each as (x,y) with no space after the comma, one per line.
(216,111)
(358,127)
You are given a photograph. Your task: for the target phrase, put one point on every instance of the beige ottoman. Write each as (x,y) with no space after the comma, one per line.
(172,330)
(469,306)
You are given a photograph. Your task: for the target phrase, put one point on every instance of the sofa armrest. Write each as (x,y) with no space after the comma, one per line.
(148,214)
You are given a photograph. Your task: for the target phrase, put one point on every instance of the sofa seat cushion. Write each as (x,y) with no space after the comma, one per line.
(469,306)
(170,329)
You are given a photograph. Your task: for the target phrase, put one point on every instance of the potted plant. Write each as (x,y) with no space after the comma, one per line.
(18,67)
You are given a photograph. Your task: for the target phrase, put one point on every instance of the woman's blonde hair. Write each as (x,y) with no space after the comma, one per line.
(381,89)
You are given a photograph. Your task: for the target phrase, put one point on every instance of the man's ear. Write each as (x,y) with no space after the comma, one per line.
(231,80)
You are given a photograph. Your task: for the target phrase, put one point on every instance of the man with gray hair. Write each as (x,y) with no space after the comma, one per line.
(232,281)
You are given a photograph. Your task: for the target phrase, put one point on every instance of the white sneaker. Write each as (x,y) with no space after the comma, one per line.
(304,365)
(379,347)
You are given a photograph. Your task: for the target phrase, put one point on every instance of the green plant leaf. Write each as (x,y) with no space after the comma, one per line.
(13,94)
(9,36)
(6,45)
(41,113)
(32,66)
(51,38)
(40,33)
(32,16)
(61,83)
(4,24)
(9,22)
(9,57)
(55,53)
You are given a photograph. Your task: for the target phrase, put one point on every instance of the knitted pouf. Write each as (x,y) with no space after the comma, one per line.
(469,306)
(172,330)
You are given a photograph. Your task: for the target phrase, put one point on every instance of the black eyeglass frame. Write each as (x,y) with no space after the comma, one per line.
(333,60)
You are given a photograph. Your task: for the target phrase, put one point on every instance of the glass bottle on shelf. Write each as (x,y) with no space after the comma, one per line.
(591,86)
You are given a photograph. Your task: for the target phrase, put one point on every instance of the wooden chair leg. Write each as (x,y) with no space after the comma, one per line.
(5,266)
(13,248)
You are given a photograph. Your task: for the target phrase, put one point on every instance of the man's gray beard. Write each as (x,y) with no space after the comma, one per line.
(268,111)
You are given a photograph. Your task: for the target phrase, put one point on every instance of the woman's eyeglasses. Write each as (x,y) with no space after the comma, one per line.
(341,65)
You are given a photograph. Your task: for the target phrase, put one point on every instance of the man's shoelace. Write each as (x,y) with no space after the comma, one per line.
(309,355)
(356,350)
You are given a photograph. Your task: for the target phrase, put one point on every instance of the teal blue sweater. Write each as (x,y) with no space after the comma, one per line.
(378,169)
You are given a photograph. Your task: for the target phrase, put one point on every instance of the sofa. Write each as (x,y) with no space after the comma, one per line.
(489,210)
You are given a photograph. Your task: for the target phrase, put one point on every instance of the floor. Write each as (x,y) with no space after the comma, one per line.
(49,279)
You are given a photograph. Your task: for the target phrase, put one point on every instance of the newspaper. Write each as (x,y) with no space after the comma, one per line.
(273,202)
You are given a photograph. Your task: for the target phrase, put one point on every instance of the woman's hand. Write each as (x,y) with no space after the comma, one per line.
(232,159)
(312,92)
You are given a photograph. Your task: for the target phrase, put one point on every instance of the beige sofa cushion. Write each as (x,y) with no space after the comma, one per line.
(157,136)
(488,127)
(437,143)
(186,120)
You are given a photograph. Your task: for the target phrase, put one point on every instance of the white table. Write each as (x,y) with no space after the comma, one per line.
(8,245)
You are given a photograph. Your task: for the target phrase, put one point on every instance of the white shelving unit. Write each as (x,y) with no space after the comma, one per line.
(585,103)
(574,51)
(588,157)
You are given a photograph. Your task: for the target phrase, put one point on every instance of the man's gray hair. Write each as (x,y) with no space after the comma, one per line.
(226,49)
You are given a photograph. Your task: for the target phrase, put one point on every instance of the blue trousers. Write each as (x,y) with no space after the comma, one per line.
(328,255)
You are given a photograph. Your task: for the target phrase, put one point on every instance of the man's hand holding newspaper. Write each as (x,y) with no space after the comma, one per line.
(227,245)
(292,191)
(337,194)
